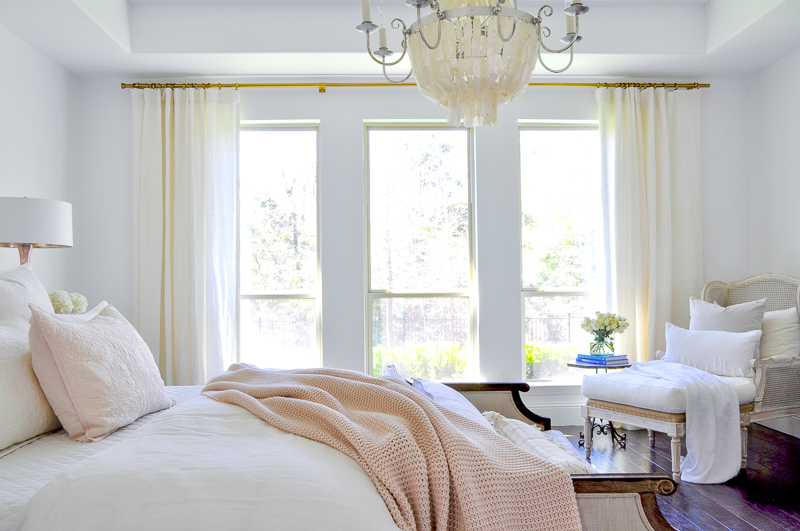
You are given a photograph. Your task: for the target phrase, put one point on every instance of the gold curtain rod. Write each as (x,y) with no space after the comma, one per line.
(323,86)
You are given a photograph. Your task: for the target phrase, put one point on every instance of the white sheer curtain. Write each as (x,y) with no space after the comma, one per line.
(185,166)
(651,196)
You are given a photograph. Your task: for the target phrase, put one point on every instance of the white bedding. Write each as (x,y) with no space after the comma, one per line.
(205,465)
(199,465)
(26,468)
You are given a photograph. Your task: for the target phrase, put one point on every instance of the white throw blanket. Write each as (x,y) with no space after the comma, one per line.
(713,442)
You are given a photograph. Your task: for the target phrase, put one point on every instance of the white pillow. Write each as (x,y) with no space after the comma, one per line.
(102,375)
(24,411)
(20,287)
(537,442)
(449,398)
(717,352)
(781,334)
(744,317)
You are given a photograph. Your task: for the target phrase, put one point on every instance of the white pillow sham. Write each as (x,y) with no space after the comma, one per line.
(781,334)
(537,442)
(449,398)
(24,411)
(20,287)
(717,352)
(738,318)
(102,375)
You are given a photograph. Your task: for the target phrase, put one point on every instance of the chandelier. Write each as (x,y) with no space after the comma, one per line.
(471,55)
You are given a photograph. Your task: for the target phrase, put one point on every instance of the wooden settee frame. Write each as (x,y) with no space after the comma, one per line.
(622,502)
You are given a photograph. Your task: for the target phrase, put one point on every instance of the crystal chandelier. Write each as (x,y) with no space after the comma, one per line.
(471,55)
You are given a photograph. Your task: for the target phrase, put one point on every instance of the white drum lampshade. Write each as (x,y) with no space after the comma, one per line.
(26,223)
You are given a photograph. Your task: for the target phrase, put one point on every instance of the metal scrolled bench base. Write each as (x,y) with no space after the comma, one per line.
(604,429)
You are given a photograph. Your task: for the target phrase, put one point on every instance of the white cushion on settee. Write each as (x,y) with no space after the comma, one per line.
(620,387)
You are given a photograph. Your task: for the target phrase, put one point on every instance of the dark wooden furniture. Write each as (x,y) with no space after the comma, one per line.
(620,502)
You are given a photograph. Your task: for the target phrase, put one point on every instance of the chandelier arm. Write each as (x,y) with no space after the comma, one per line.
(439,27)
(390,80)
(539,52)
(383,61)
(548,11)
(500,30)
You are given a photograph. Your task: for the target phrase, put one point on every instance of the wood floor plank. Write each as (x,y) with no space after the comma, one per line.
(764,497)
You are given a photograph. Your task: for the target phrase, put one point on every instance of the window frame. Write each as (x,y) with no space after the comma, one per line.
(468,293)
(274,125)
(554,125)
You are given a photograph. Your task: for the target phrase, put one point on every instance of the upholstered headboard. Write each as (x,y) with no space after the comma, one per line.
(780,291)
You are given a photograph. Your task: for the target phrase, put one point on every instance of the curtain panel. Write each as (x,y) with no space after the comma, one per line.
(651,186)
(185,173)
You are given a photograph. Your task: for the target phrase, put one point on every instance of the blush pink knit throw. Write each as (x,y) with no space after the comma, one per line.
(434,469)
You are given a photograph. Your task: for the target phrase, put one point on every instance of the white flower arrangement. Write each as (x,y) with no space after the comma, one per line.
(79,302)
(604,325)
(64,302)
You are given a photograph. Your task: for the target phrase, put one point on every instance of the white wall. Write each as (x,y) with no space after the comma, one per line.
(726,196)
(100,187)
(100,190)
(34,142)
(772,113)
(773,129)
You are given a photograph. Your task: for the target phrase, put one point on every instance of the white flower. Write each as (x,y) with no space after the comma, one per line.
(79,302)
(604,324)
(62,302)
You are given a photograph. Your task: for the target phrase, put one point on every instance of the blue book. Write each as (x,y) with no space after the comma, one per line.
(601,357)
(602,362)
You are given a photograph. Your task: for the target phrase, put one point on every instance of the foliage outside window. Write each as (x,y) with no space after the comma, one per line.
(561,243)
(278,247)
(419,251)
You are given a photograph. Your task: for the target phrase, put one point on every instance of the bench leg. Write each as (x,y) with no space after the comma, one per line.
(587,437)
(676,458)
(652,435)
(744,446)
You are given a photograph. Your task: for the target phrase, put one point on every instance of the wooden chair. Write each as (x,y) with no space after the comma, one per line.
(777,382)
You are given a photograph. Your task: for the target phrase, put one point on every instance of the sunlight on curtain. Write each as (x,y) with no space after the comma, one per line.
(185,203)
(652,199)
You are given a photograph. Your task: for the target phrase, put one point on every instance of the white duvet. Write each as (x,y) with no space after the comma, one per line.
(205,465)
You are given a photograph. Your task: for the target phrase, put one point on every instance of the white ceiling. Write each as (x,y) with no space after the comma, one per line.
(316,39)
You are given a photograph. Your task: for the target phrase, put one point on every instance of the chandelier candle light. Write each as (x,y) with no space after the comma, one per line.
(471,55)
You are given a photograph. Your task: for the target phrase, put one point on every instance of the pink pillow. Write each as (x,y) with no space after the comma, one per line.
(98,375)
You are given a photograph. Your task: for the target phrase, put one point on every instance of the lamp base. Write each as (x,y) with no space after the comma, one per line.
(24,254)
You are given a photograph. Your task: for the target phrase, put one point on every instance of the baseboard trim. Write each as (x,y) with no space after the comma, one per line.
(787,425)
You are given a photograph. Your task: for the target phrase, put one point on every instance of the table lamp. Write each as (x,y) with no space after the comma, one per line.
(27,223)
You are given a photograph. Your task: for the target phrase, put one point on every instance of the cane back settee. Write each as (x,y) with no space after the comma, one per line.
(777,381)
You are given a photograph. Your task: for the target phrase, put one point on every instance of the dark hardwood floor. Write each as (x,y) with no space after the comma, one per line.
(765,496)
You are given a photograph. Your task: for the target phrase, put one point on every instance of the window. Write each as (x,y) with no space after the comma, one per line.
(562,252)
(278,247)
(420,250)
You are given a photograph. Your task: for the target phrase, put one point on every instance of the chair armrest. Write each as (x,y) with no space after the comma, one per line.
(601,494)
(504,398)
(777,387)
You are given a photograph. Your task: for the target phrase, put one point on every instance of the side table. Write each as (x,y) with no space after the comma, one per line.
(602,429)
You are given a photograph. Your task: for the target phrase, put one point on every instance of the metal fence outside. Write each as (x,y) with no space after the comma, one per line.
(419,331)
(301,333)
(552,329)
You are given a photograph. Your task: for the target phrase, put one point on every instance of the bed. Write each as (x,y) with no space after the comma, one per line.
(332,481)
(185,460)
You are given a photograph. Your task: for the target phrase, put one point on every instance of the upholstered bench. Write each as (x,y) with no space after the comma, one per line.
(657,405)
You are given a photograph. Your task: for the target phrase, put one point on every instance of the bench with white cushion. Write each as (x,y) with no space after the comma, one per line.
(660,405)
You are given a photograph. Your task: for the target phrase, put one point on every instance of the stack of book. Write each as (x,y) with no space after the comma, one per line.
(603,360)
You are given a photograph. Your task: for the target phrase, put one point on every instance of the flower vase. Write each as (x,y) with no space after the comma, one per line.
(603,346)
